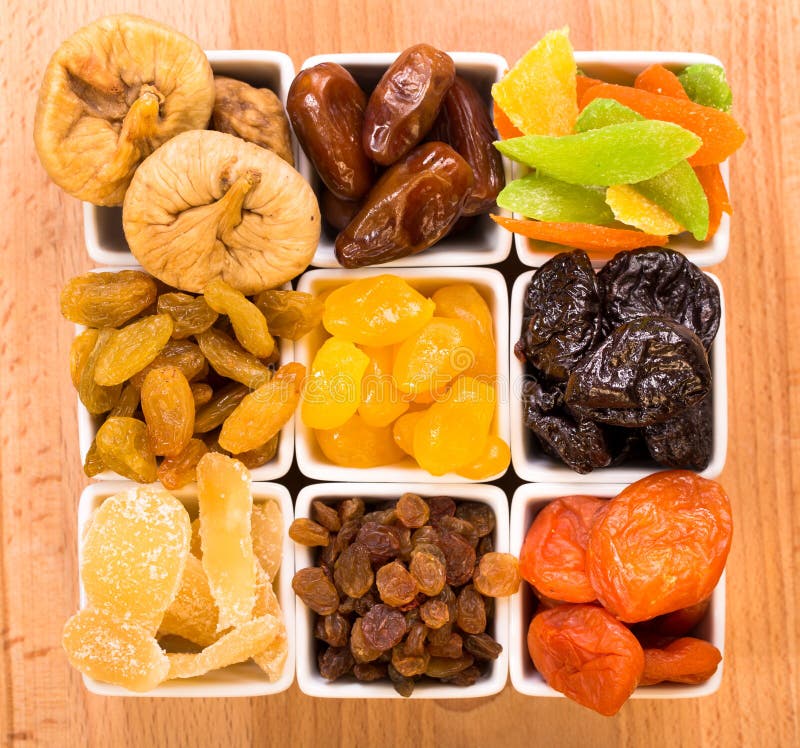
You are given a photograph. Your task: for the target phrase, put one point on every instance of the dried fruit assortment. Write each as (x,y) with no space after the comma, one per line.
(646,156)
(426,186)
(403,592)
(176,375)
(618,361)
(145,579)
(623,583)
(404,375)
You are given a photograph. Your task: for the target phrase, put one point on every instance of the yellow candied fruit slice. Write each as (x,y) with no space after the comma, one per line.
(631,207)
(403,431)
(380,401)
(134,555)
(494,459)
(430,359)
(380,310)
(114,650)
(453,433)
(539,93)
(355,444)
(225,503)
(332,391)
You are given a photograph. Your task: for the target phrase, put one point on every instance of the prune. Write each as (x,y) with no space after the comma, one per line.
(383,627)
(446,667)
(684,441)
(230,360)
(459,557)
(659,282)
(107,299)
(221,405)
(562,321)
(497,575)
(403,685)
(647,371)
(314,588)
(412,510)
(168,408)
(395,585)
(307,532)
(405,103)
(471,616)
(289,314)
(482,647)
(326,108)
(335,662)
(464,123)
(352,571)
(441,506)
(326,515)
(382,542)
(451,646)
(411,207)
(479,515)
(369,671)
(429,572)
(123,447)
(333,629)
(190,314)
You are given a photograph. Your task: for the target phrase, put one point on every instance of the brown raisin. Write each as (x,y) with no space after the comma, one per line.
(446,667)
(441,506)
(362,651)
(429,573)
(485,545)
(482,646)
(333,629)
(480,516)
(181,469)
(425,534)
(459,557)
(353,572)
(326,515)
(402,684)
(351,509)
(381,541)
(459,526)
(435,613)
(412,511)
(497,575)
(307,532)
(408,664)
(383,627)
(369,671)
(335,662)
(471,616)
(451,646)
(395,585)
(314,588)
(466,677)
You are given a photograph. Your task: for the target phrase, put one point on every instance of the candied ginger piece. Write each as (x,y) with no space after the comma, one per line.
(112,650)
(223,490)
(193,614)
(237,645)
(272,658)
(195,547)
(134,554)
(267,529)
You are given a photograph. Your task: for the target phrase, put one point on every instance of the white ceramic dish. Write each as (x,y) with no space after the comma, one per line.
(308,678)
(623,67)
(528,500)
(485,243)
(489,283)
(102,227)
(244,679)
(277,467)
(531,464)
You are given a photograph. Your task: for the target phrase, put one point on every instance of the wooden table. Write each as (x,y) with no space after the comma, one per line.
(42,701)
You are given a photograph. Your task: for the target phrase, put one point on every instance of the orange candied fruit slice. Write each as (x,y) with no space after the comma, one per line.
(658,80)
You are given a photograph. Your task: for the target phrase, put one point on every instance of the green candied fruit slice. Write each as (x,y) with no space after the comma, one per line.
(706,84)
(546,199)
(617,154)
(677,190)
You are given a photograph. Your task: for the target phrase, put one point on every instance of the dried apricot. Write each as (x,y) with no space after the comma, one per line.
(586,654)
(131,348)
(357,444)
(661,545)
(685,660)
(553,556)
(168,408)
(249,324)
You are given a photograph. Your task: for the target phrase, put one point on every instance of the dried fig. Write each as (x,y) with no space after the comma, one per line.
(208,205)
(254,114)
(113,93)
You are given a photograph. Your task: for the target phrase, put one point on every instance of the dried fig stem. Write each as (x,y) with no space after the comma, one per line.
(230,204)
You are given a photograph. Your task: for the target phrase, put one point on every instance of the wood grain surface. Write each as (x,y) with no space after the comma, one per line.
(42,701)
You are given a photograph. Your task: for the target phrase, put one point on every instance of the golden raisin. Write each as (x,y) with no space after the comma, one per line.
(123,448)
(107,299)
(249,324)
(132,348)
(168,408)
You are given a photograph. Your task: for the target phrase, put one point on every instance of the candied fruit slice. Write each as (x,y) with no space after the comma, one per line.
(107,299)
(538,94)
(380,401)
(123,447)
(332,391)
(379,310)
(249,324)
(267,531)
(225,502)
(193,613)
(495,459)
(631,207)
(429,360)
(263,413)
(168,408)
(134,554)
(356,444)
(705,84)
(113,650)
(504,126)
(132,348)
(403,431)
(713,185)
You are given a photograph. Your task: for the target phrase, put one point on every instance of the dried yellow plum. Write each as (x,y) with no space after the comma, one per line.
(182,354)
(111,95)
(209,205)
(221,405)
(132,348)
(95,397)
(107,299)
(122,444)
(230,360)
(249,324)
(190,314)
(290,314)
(82,346)
(178,470)
(253,114)
(168,408)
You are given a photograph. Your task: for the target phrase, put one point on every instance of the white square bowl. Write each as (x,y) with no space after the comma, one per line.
(492,287)
(277,467)
(486,242)
(622,68)
(528,501)
(532,464)
(308,678)
(102,226)
(243,679)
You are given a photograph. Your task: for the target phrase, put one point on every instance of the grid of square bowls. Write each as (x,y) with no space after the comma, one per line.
(486,244)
